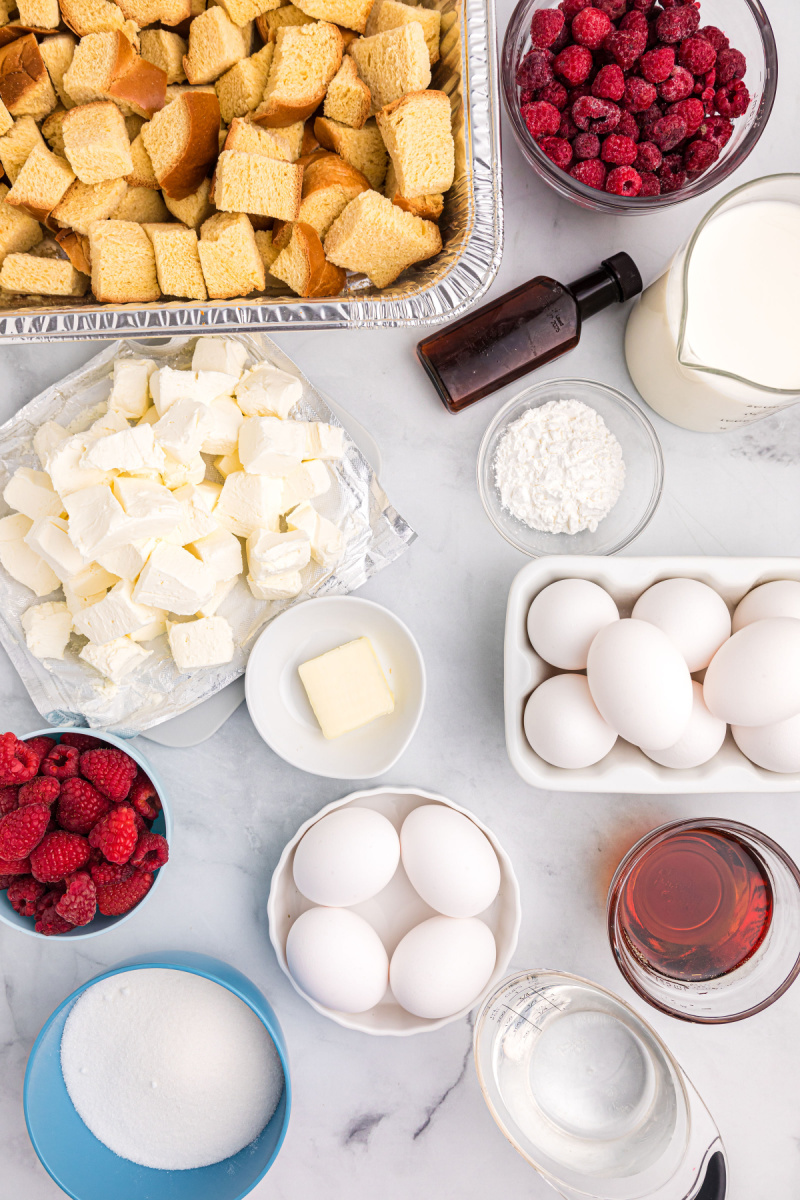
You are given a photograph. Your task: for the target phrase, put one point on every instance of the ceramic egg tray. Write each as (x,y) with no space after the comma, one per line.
(626,768)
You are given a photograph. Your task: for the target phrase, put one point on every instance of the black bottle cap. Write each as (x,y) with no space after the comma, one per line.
(626,275)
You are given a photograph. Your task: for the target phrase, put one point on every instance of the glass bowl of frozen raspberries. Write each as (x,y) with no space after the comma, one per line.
(634,105)
(84,832)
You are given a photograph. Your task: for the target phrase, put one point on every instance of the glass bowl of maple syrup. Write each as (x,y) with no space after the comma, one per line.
(704,920)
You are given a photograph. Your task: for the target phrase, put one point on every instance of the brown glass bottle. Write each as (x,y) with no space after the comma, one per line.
(524,329)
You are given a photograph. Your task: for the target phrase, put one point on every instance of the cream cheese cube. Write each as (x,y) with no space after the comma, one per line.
(115,659)
(76,603)
(148,632)
(91,580)
(221,552)
(308,480)
(131,450)
(168,386)
(110,422)
(150,417)
(249,502)
(174,580)
(324,441)
(182,429)
(97,520)
(221,593)
(126,562)
(20,561)
(130,393)
(46,438)
(210,493)
(224,419)
(327,542)
(276,587)
(65,470)
(176,474)
(346,688)
(269,446)
(227,464)
(30,492)
(48,537)
(206,642)
(114,616)
(150,509)
(14,527)
(276,553)
(268,391)
(197,520)
(219,354)
(47,629)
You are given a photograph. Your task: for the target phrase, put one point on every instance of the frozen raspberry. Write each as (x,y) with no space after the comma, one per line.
(558,150)
(8,799)
(642,6)
(716,129)
(111,771)
(718,39)
(41,790)
(657,65)
(115,834)
(79,903)
(691,111)
(574,65)
(593,115)
(612,8)
(647,121)
(627,127)
(546,25)
(80,806)
(650,184)
(82,741)
(151,851)
(6,881)
(699,156)
(571,8)
(40,746)
(592,173)
(113,899)
(624,181)
(48,921)
(732,100)
(731,65)
(18,762)
(638,95)
(635,22)
(58,855)
(106,872)
(609,82)
(677,23)
(648,157)
(586,145)
(621,151)
(24,894)
(669,132)
(61,763)
(541,118)
(535,71)
(626,47)
(679,86)
(591,27)
(671,173)
(554,93)
(697,55)
(20,831)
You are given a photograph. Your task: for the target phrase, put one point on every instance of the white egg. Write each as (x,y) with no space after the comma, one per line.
(640,683)
(781,598)
(774,747)
(347,857)
(701,739)
(337,959)
(442,966)
(449,861)
(694,617)
(754,679)
(564,619)
(563,725)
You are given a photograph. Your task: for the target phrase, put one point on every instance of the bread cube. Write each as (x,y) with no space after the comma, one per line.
(165,50)
(348,99)
(243,11)
(123,263)
(57,52)
(96,142)
(391,14)
(16,145)
(416,131)
(193,209)
(86,17)
(183,142)
(285,144)
(41,183)
(229,256)
(240,89)
(142,174)
(105,66)
(362,148)
(329,184)
(25,86)
(141,204)
(34,276)
(305,61)
(177,261)
(250,183)
(430,206)
(352,14)
(215,44)
(39,14)
(84,203)
(393,63)
(18,231)
(303,265)
(375,236)
(148,12)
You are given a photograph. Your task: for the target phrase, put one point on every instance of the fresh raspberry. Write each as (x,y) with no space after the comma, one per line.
(697,55)
(627,48)
(24,894)
(648,157)
(558,150)
(669,132)
(650,184)
(593,115)
(635,22)
(79,903)
(58,855)
(15,866)
(111,771)
(609,82)
(619,150)
(554,93)
(18,762)
(716,129)
(612,8)
(80,806)
(671,174)
(535,71)
(679,86)
(115,834)
(732,100)
(592,173)
(591,27)
(586,145)
(691,111)
(677,23)
(48,921)
(699,156)
(541,119)
(106,872)
(718,39)
(574,64)
(82,741)
(152,850)
(571,8)
(41,790)
(40,746)
(638,95)
(9,799)
(731,65)
(624,181)
(20,831)
(61,763)
(657,65)
(627,127)
(546,25)
(113,899)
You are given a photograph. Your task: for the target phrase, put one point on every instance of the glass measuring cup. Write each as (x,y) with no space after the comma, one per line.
(588,1093)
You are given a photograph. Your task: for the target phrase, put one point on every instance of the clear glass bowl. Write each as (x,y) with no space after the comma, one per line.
(745,23)
(644,471)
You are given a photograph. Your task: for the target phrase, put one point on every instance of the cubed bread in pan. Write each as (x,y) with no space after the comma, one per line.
(31,275)
(393,63)
(362,148)
(391,14)
(417,132)
(285,144)
(303,266)
(57,52)
(429,207)
(6,120)
(270,22)
(16,145)
(97,16)
(96,142)
(177,261)
(305,61)
(25,86)
(18,231)
(165,49)
(251,183)
(148,12)
(193,209)
(53,130)
(329,184)
(215,44)
(232,265)
(105,66)
(76,247)
(352,14)
(39,14)
(375,236)
(41,183)
(348,99)
(242,11)
(183,142)
(141,204)
(84,203)
(123,263)
(142,174)
(176,90)
(240,89)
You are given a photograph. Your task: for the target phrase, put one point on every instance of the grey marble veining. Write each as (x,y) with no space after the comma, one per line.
(397,1118)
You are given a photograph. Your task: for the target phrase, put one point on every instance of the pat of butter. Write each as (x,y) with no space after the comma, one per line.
(346,688)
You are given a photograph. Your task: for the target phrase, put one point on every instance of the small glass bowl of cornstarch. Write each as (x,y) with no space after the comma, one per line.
(570,467)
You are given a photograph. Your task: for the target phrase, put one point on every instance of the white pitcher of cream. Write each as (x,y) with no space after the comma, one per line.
(715,342)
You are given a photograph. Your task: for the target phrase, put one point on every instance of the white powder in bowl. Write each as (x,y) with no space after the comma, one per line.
(559,468)
(168,1069)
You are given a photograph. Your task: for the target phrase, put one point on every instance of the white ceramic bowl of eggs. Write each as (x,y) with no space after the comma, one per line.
(394,911)
(655,675)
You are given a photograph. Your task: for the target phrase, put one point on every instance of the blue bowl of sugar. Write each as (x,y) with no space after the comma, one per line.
(84,1167)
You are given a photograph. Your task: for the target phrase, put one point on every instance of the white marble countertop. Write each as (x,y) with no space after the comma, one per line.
(396,1118)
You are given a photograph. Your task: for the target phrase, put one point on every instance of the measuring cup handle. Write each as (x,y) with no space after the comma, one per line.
(714,1186)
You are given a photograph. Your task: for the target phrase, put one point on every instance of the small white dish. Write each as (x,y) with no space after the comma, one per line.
(393,912)
(279,705)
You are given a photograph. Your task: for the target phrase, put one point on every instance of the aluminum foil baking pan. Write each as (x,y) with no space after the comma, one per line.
(471,225)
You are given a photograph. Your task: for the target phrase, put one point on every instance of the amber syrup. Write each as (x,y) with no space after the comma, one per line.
(696,906)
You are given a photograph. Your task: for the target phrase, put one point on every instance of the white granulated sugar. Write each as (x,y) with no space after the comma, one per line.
(559,468)
(168,1069)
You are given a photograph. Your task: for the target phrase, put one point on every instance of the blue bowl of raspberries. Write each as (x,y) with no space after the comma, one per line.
(634,105)
(84,832)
